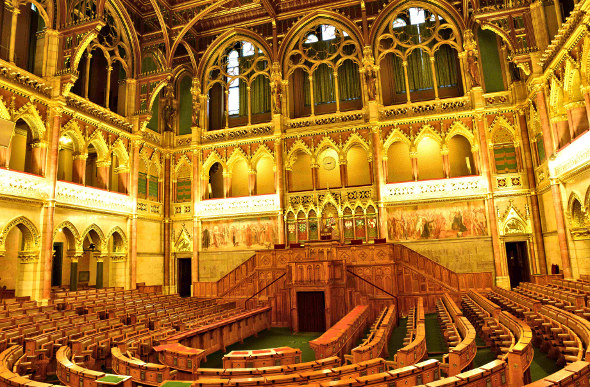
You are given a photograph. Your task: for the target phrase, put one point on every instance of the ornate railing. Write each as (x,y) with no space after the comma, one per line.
(499,98)
(21,184)
(326,119)
(237,133)
(182,208)
(98,112)
(510,181)
(571,158)
(339,194)
(446,105)
(469,186)
(148,207)
(92,198)
(238,206)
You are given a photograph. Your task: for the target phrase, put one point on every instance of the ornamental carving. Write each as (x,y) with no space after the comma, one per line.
(471,186)
(238,206)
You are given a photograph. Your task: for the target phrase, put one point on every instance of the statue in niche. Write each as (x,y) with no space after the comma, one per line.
(196,92)
(278,95)
(473,68)
(169,110)
(371,80)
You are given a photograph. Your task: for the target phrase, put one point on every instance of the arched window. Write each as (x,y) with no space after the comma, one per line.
(399,163)
(216,184)
(301,179)
(240,176)
(185,105)
(65,159)
(237,83)
(358,171)
(323,71)
(21,149)
(460,157)
(427,43)
(430,163)
(28,39)
(577,217)
(265,176)
(92,177)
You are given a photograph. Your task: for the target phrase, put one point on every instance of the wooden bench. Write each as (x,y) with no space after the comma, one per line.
(375,344)
(262,357)
(414,349)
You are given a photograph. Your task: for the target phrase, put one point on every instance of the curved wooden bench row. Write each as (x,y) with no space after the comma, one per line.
(573,375)
(141,372)
(376,344)
(460,336)
(262,358)
(71,374)
(8,360)
(492,374)
(572,297)
(218,335)
(521,354)
(340,338)
(414,349)
(333,376)
(180,357)
(560,333)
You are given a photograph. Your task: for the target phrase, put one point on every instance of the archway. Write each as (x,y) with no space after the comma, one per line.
(216,184)
(21,149)
(20,259)
(115,268)
(65,254)
(460,157)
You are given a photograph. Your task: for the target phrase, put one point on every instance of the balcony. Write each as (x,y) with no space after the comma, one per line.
(247,205)
(417,191)
(92,198)
(25,185)
(446,105)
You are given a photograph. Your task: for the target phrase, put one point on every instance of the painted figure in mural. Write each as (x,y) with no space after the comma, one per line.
(458,224)
(205,238)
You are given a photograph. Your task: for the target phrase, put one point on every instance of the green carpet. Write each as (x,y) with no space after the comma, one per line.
(275,337)
(396,341)
(435,342)
(484,354)
(542,365)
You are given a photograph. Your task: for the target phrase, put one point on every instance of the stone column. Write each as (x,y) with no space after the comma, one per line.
(102,174)
(539,25)
(123,178)
(38,153)
(11,48)
(251,182)
(27,280)
(414,158)
(445,159)
(343,173)
(226,184)
(529,167)
(167,224)
(99,271)
(379,180)
(280,188)
(118,270)
(49,205)
(198,191)
(74,271)
(555,191)
(132,221)
(315,176)
(502,279)
(79,169)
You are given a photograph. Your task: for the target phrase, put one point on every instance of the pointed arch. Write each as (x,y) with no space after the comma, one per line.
(298,146)
(97,230)
(213,158)
(459,128)
(31,235)
(355,139)
(72,130)
(499,124)
(261,152)
(122,247)
(427,131)
(29,114)
(181,163)
(556,102)
(572,83)
(97,140)
(120,150)
(394,136)
(73,236)
(326,143)
(237,155)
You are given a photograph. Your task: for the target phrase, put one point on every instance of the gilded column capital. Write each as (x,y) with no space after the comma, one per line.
(28,256)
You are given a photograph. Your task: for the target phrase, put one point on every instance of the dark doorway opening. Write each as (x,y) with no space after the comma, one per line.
(184,277)
(518,263)
(58,249)
(311,311)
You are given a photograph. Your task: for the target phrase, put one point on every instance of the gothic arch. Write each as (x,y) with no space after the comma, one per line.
(260,153)
(459,128)
(236,156)
(97,140)
(427,131)
(97,230)
(213,158)
(72,130)
(120,150)
(356,140)
(31,235)
(29,114)
(122,247)
(73,237)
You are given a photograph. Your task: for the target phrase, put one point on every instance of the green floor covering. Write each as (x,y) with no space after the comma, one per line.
(396,341)
(435,342)
(541,365)
(275,337)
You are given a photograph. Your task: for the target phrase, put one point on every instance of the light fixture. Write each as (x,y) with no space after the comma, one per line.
(65,140)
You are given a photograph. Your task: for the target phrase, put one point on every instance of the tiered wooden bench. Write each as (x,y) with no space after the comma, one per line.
(459,335)
(341,337)
(375,345)
(262,357)
(414,349)
(71,374)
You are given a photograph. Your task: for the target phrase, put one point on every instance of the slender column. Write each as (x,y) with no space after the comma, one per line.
(249,106)
(226,108)
(99,271)
(13,21)
(311,96)
(445,159)
(280,188)
(199,186)
(107,93)
(49,206)
(434,80)
(226,184)
(337,91)
(555,192)
(406,79)
(39,152)
(414,159)
(167,225)
(343,174)
(133,218)
(87,75)
(289,176)
(379,181)
(74,272)
(123,178)
(476,162)
(251,182)
(528,163)
(502,279)
(79,169)
(315,178)
(102,174)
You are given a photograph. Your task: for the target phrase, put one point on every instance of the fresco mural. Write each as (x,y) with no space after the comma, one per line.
(239,234)
(441,221)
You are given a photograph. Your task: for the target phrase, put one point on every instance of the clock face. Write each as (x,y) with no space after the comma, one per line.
(329,163)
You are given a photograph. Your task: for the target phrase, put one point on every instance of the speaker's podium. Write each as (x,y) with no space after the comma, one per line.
(326,233)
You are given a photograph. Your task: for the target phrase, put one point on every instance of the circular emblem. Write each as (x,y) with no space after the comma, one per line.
(329,163)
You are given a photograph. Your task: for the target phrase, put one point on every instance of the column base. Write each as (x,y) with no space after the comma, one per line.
(168,289)
(503,282)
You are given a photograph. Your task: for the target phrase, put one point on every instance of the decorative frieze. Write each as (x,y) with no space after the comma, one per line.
(471,186)
(238,206)
(14,183)
(572,158)
(425,108)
